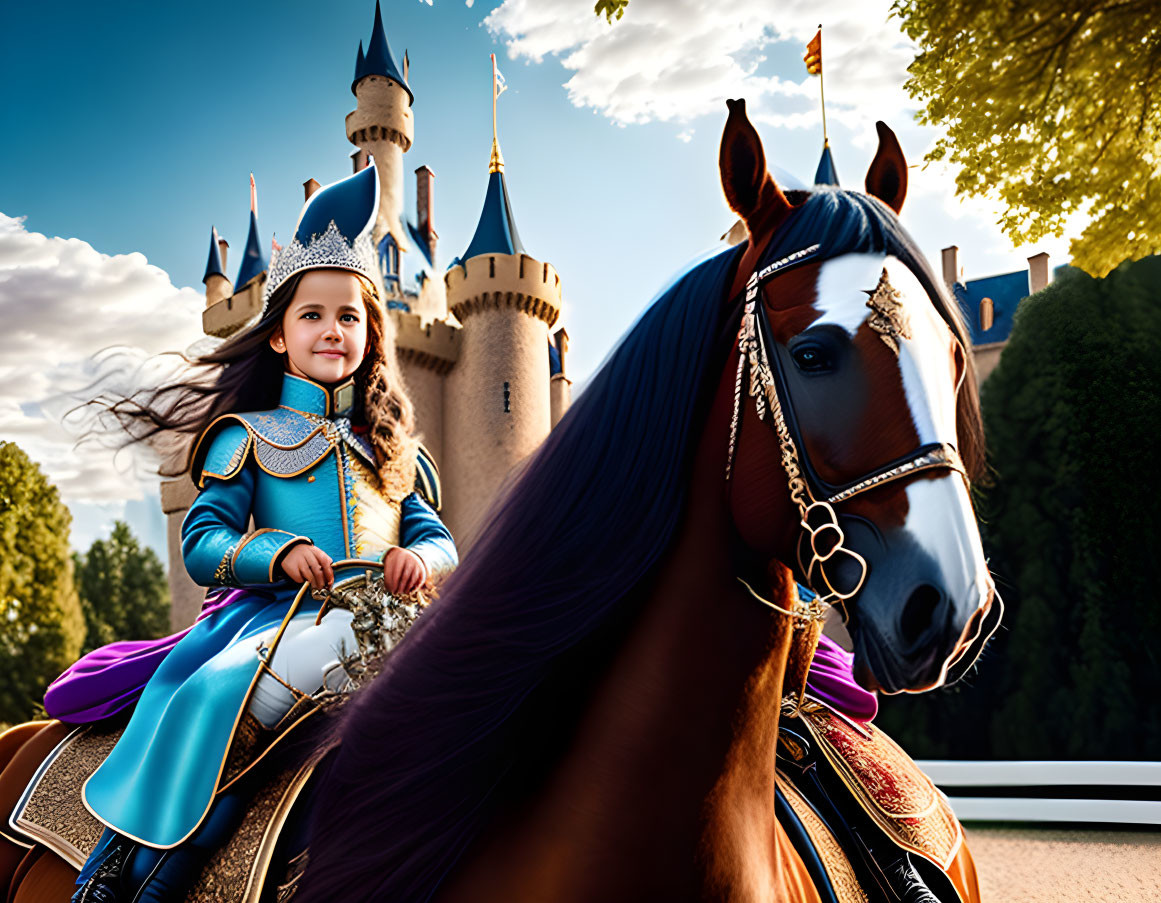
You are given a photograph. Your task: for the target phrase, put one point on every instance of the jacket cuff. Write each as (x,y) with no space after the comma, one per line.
(258,555)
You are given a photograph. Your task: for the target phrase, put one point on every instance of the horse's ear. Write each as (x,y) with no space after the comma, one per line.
(748,186)
(887,177)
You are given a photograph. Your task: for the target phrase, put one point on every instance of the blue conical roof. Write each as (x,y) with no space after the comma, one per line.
(253,258)
(379,60)
(496,232)
(214,264)
(826,174)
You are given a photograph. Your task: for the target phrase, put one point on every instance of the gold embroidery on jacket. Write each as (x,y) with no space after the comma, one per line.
(376,520)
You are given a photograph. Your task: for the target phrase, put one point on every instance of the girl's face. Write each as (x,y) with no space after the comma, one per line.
(324,330)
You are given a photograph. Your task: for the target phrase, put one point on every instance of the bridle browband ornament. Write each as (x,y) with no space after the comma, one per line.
(815,505)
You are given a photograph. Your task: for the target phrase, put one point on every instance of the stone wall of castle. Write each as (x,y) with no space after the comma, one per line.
(497,406)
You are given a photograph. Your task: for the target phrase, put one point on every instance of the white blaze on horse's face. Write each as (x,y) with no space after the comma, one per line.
(918,618)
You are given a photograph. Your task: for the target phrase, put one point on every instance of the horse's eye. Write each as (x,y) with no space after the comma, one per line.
(811,358)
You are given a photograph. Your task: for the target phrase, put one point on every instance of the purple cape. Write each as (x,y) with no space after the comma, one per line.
(111,678)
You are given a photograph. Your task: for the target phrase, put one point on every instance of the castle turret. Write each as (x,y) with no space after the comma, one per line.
(228,313)
(826,174)
(218,286)
(497,406)
(253,265)
(382,126)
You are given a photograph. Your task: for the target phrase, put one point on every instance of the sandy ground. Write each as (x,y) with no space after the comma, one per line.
(1038,865)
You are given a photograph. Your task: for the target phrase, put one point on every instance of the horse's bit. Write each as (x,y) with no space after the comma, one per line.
(814,497)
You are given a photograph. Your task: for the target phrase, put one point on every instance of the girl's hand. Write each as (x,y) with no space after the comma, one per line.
(403,571)
(309,564)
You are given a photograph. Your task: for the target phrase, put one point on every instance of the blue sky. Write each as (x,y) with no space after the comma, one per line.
(131,128)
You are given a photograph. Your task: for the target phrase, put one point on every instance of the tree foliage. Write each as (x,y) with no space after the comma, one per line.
(41,625)
(1051,107)
(1072,524)
(610,9)
(123,589)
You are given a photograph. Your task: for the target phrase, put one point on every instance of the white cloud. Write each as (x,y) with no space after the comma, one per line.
(73,315)
(676,60)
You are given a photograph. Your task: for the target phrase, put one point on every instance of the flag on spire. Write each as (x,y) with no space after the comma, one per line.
(499,86)
(253,195)
(813,58)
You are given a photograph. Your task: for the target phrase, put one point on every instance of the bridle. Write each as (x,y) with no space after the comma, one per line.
(814,497)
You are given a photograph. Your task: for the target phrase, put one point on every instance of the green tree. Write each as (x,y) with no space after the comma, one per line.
(1052,108)
(41,625)
(123,589)
(1072,525)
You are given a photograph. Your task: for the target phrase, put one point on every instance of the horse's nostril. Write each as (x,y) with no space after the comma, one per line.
(919,612)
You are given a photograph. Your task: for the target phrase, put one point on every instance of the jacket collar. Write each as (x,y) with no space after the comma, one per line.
(308,397)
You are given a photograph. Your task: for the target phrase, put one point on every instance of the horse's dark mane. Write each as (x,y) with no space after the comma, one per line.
(423,749)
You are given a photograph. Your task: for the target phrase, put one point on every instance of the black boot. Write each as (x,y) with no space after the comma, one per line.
(105,885)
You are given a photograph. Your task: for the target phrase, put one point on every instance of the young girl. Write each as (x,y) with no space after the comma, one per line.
(303,427)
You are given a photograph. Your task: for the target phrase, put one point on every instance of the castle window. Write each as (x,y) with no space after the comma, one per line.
(389,259)
(507,399)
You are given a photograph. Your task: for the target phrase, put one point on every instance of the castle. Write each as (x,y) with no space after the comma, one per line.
(487,380)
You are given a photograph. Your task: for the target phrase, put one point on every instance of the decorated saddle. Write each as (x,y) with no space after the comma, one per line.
(864,817)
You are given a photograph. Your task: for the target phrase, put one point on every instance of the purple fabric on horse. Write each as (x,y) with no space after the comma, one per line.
(111,678)
(831,681)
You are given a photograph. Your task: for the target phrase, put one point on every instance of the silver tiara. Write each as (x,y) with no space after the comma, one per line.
(328,249)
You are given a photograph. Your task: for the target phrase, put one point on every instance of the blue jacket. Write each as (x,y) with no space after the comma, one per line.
(306,477)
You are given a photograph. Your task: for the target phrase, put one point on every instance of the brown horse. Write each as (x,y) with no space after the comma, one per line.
(592,710)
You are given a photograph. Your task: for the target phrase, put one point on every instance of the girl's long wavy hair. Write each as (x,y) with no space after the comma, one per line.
(245,374)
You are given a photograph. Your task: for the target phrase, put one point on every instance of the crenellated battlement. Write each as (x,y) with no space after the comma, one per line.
(383,113)
(225,317)
(495,281)
(434,346)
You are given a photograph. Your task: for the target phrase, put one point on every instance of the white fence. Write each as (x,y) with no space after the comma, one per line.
(1078,788)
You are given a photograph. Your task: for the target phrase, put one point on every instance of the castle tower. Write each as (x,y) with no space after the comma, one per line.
(228,312)
(382,126)
(218,286)
(497,406)
(826,174)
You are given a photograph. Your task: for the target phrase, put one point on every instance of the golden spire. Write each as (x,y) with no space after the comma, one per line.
(496,163)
